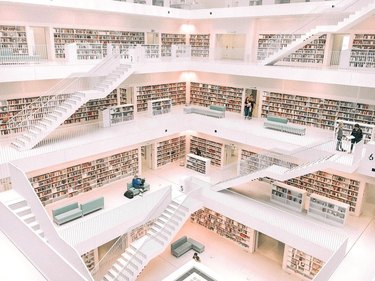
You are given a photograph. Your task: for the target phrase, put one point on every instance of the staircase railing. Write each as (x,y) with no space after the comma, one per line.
(153,236)
(60,92)
(116,250)
(297,158)
(332,15)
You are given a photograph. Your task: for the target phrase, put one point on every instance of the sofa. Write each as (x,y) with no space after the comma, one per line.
(281,124)
(185,244)
(213,110)
(67,213)
(92,206)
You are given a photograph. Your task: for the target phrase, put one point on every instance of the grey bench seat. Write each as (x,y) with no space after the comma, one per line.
(205,111)
(66,213)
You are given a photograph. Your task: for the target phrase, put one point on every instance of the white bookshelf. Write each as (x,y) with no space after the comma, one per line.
(200,45)
(288,196)
(327,209)
(117,114)
(206,94)
(169,39)
(90,41)
(300,263)
(90,259)
(269,44)
(239,233)
(316,112)
(363,51)
(72,180)
(159,106)
(13,38)
(170,150)
(210,149)
(174,91)
(198,163)
(336,187)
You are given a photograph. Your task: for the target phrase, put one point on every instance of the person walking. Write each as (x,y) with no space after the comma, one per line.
(247,108)
(339,136)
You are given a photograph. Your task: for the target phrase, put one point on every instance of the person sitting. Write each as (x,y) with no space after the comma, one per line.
(138,182)
(196,257)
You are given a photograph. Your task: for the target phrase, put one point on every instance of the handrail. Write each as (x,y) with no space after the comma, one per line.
(284,162)
(153,235)
(341,10)
(62,86)
(107,258)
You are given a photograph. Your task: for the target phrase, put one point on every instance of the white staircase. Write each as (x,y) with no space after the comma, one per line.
(276,172)
(141,251)
(317,31)
(67,106)
(18,205)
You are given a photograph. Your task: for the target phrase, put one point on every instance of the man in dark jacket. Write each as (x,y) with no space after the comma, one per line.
(357,136)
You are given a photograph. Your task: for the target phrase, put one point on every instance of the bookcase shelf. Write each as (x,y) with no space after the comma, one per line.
(317,112)
(200,45)
(269,44)
(241,234)
(363,51)
(90,259)
(159,106)
(209,149)
(171,150)
(174,91)
(288,196)
(197,163)
(310,53)
(72,180)
(251,161)
(117,114)
(169,39)
(92,43)
(327,209)
(139,231)
(300,263)
(14,38)
(207,94)
(332,186)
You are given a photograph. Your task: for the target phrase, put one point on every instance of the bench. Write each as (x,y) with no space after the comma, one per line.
(92,206)
(281,124)
(219,108)
(184,244)
(67,213)
(205,111)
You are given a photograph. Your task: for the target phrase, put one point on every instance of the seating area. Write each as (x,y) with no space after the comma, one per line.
(281,124)
(217,111)
(185,244)
(73,211)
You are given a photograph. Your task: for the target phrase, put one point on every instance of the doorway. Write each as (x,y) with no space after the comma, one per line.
(340,50)
(146,157)
(230,46)
(369,200)
(38,42)
(230,154)
(270,247)
(152,38)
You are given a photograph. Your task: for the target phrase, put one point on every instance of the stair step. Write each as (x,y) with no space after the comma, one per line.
(135,259)
(122,262)
(24,210)
(134,252)
(157,239)
(170,218)
(160,227)
(16,203)
(167,223)
(28,218)
(158,234)
(40,232)
(34,225)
